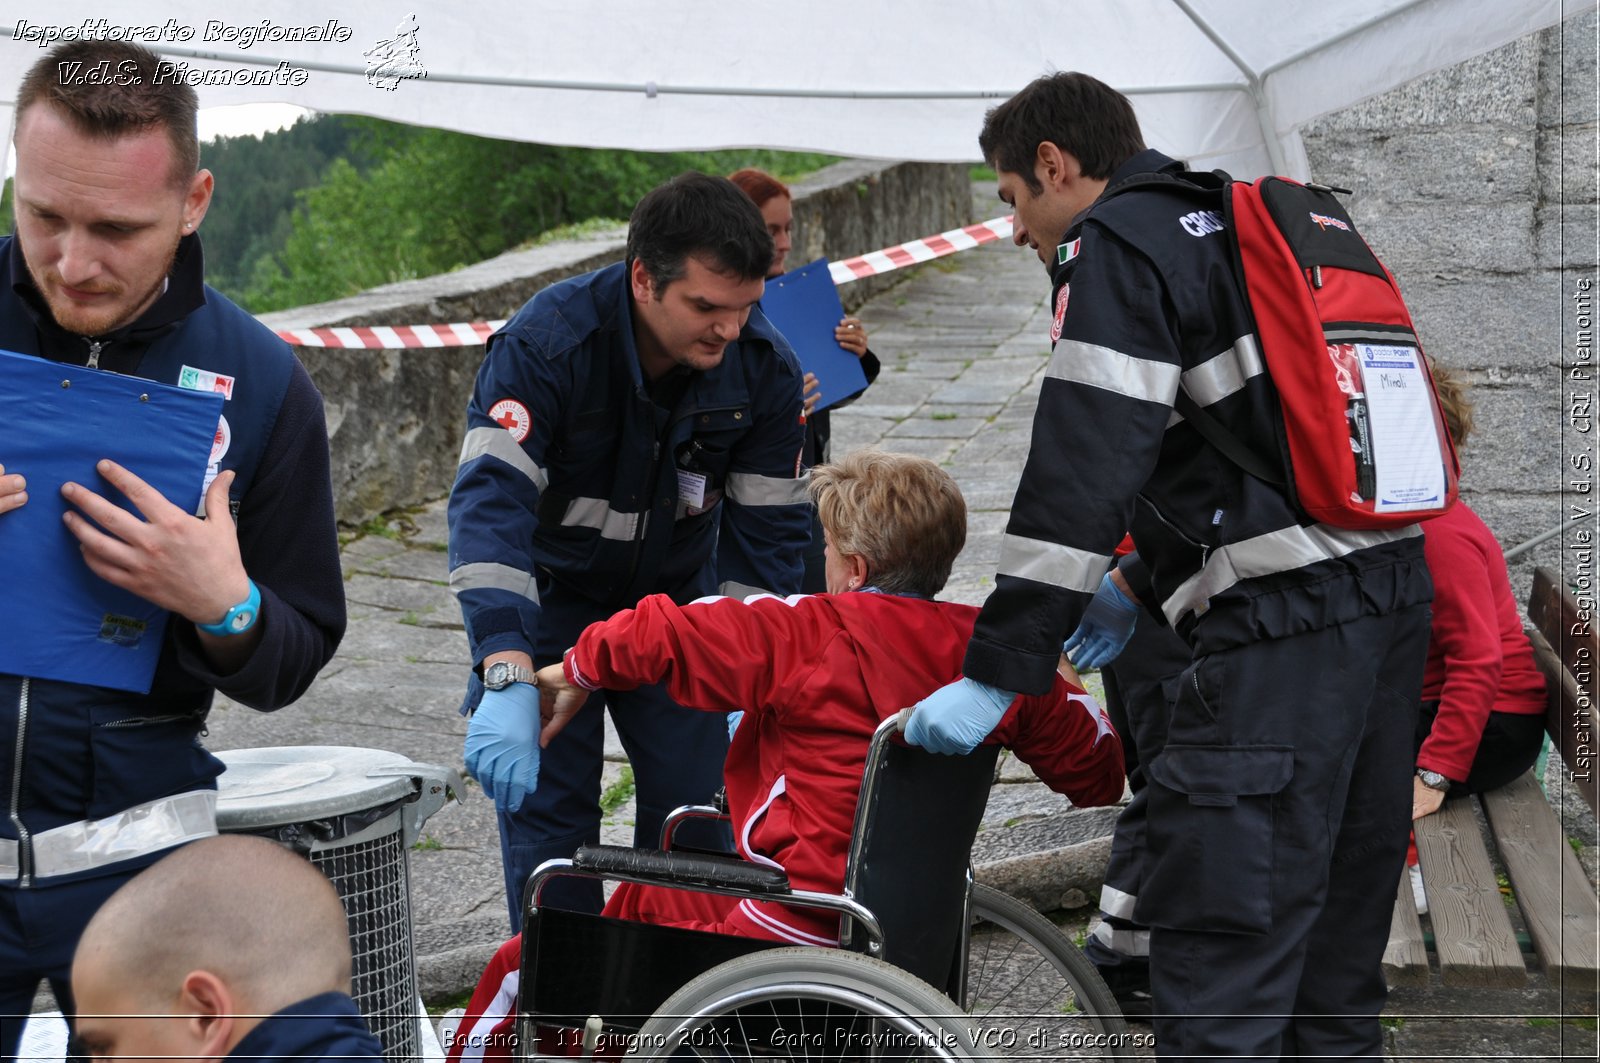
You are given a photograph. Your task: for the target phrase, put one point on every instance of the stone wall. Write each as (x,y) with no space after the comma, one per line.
(1477,187)
(395,418)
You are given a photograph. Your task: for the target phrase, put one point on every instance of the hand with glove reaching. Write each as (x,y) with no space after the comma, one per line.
(955,719)
(502,748)
(1106,626)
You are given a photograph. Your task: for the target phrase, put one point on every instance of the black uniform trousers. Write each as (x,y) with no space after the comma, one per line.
(1278,816)
(1140,687)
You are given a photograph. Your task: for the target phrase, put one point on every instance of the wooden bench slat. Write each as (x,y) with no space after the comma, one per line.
(1555,613)
(1405,958)
(1563,713)
(1471,931)
(1552,890)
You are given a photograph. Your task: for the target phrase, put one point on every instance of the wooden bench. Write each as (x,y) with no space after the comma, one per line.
(1469,916)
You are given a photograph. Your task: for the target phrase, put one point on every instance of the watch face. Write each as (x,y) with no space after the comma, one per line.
(242,620)
(494,677)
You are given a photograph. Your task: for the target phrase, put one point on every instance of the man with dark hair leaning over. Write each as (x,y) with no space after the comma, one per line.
(105,271)
(621,420)
(1278,806)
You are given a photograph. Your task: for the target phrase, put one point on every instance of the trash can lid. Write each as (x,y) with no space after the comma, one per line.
(277,785)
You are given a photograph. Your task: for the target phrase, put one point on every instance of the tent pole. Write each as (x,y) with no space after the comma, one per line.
(1252,84)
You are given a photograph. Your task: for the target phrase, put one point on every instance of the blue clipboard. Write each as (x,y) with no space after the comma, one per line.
(58,620)
(803,304)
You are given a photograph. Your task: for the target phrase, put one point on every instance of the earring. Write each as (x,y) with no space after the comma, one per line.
(852,585)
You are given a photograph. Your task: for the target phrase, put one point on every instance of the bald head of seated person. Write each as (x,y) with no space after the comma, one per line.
(230,946)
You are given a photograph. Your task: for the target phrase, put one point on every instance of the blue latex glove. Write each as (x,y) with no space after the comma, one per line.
(502,747)
(733,723)
(1106,627)
(955,719)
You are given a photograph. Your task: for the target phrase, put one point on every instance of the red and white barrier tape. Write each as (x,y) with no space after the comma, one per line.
(889,259)
(925,250)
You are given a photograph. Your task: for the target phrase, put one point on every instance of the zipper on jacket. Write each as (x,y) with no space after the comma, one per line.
(95,347)
(24,844)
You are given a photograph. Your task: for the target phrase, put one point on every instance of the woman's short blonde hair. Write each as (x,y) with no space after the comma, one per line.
(1455,401)
(903,514)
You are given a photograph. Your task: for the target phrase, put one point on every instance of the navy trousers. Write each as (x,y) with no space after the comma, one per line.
(676,755)
(39,931)
(1278,816)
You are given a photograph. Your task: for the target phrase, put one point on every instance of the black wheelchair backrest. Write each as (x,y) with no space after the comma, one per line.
(915,823)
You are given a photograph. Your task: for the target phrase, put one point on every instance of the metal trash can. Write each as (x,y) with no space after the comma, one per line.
(355,814)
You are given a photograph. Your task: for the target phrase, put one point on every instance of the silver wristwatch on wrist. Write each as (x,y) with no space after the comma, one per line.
(1433,780)
(502,674)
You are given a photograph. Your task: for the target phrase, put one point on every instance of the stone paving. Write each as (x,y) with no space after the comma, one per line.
(963,343)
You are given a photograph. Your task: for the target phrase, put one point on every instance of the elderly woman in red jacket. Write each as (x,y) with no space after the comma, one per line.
(814,675)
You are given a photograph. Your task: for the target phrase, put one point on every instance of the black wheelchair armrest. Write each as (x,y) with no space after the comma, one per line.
(681,868)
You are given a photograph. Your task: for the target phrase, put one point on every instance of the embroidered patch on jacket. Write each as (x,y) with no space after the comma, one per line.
(1067,252)
(205,380)
(1061,312)
(513,416)
(221,441)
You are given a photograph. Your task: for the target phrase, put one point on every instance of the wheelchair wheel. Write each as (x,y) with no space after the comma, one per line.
(805,1003)
(1031,991)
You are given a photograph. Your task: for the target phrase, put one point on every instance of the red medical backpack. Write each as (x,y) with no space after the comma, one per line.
(1360,450)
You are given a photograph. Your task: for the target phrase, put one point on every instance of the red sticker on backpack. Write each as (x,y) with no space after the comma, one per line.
(1061,312)
(513,417)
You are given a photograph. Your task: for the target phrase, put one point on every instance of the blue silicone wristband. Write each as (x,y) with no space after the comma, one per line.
(240,618)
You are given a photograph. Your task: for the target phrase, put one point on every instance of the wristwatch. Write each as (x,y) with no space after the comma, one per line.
(240,618)
(1433,780)
(502,674)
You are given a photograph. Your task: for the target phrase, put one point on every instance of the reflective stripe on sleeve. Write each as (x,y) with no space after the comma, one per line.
(1052,563)
(1280,551)
(497,443)
(488,576)
(1110,370)
(610,523)
(753,489)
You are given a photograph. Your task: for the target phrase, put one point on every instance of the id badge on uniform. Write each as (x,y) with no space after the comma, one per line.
(691,489)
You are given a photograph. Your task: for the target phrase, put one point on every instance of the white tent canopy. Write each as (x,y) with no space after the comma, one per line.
(1218,82)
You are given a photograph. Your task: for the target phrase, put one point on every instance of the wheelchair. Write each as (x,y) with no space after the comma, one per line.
(931,964)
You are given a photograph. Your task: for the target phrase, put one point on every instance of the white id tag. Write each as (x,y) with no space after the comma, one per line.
(691,488)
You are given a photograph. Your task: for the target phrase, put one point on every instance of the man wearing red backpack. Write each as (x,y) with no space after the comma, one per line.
(1278,808)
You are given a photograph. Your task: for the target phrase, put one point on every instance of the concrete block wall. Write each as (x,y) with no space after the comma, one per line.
(395,418)
(1476,186)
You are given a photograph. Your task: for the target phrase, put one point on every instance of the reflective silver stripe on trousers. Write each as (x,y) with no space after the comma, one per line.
(1225,374)
(753,489)
(596,513)
(486,575)
(1122,942)
(138,831)
(1111,370)
(1052,563)
(498,443)
(1115,902)
(1280,551)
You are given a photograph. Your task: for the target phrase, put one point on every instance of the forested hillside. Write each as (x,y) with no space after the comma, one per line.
(335,204)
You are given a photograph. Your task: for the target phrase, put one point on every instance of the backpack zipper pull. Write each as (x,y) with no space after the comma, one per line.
(1316,276)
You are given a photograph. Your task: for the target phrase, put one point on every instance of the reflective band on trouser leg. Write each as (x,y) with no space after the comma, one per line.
(138,831)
